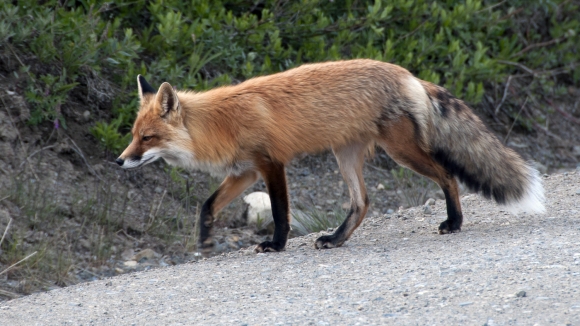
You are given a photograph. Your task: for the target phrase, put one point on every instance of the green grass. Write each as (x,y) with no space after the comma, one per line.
(315,220)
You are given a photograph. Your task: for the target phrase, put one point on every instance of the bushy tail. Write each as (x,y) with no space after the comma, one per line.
(465,147)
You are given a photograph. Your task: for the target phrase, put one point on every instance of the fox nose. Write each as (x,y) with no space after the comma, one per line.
(120,161)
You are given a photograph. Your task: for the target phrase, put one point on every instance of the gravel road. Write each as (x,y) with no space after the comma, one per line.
(500,270)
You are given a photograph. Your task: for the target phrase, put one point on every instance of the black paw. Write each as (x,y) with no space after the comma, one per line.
(327,242)
(269,246)
(446,227)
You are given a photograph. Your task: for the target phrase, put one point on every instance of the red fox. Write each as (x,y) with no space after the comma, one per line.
(254,129)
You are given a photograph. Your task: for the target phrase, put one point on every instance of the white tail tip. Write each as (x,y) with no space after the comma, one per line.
(533,199)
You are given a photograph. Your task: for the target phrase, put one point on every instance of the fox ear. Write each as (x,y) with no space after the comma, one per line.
(167,99)
(144,87)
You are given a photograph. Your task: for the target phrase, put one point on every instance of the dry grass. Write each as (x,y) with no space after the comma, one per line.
(62,237)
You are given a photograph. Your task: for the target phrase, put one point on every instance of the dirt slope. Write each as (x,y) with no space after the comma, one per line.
(500,270)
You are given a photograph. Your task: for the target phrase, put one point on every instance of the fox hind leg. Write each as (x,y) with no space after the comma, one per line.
(454,215)
(400,142)
(350,161)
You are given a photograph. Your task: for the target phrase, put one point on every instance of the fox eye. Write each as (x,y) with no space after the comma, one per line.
(146,138)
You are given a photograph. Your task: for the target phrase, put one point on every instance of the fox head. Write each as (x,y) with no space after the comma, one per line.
(158,131)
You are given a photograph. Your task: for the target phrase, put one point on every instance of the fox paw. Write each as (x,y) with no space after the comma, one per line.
(327,242)
(446,227)
(269,246)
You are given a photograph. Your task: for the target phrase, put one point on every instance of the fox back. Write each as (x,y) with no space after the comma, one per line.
(306,109)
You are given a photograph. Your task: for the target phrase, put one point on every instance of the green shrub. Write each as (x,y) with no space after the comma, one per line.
(96,48)
(108,135)
(59,50)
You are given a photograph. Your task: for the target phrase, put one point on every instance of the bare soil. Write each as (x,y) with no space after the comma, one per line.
(500,270)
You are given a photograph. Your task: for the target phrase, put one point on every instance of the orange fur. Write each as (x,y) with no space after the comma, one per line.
(349,106)
(306,109)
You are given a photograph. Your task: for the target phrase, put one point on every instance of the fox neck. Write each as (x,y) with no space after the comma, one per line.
(186,160)
(204,143)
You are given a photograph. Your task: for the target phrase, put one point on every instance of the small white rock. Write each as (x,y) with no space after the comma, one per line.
(540,167)
(430,202)
(130,263)
(145,253)
(259,209)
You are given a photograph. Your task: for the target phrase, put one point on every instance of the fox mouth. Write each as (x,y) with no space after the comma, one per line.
(134,164)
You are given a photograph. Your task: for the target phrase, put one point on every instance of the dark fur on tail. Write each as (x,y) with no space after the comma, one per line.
(467,149)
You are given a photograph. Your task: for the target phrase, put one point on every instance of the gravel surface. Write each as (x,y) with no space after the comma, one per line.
(500,270)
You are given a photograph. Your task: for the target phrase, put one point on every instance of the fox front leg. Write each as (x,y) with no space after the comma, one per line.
(230,188)
(205,241)
(275,177)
